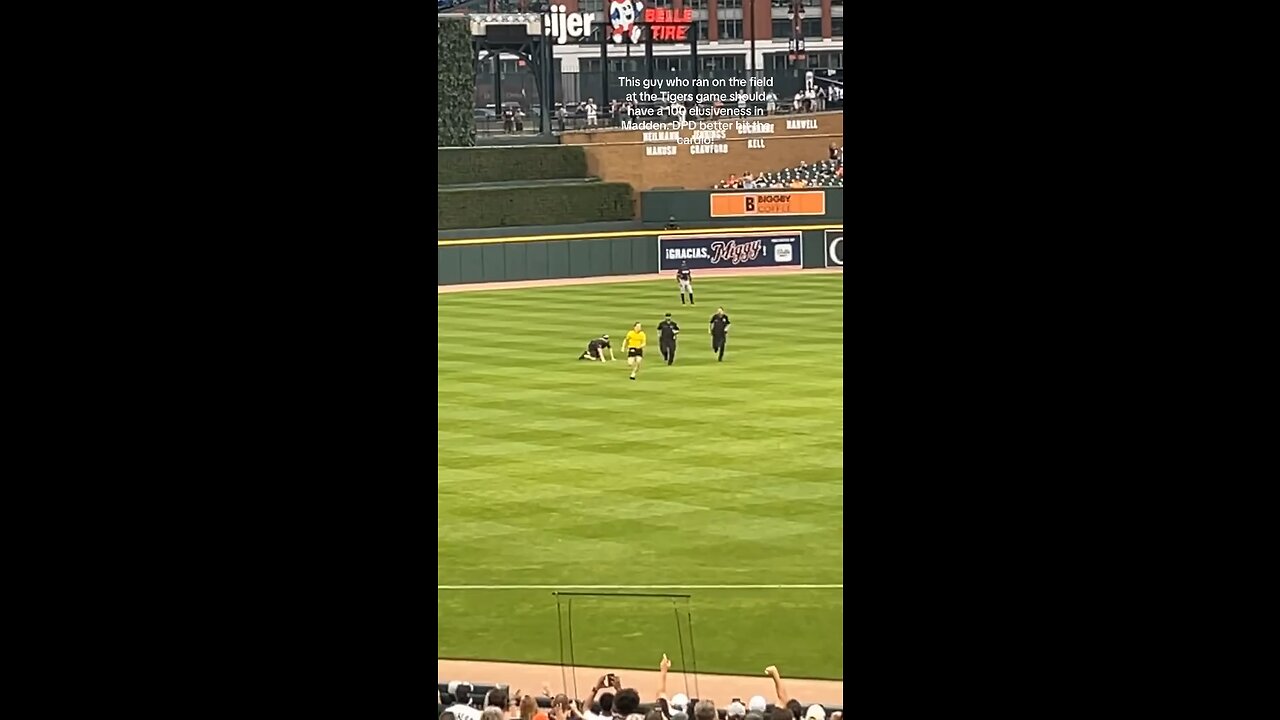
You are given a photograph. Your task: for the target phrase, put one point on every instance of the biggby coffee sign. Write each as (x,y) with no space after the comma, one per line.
(560,24)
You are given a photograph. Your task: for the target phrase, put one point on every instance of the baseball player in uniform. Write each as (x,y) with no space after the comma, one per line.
(685,278)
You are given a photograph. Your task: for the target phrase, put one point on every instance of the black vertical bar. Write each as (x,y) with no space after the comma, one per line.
(648,50)
(572,659)
(753,36)
(604,68)
(684,666)
(560,626)
(497,84)
(693,49)
(549,85)
(693,650)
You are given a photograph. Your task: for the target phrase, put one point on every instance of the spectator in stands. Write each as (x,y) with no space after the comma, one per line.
(736,710)
(757,704)
(497,698)
(795,105)
(606,700)
(671,225)
(705,710)
(461,708)
(748,182)
(493,713)
(508,120)
(833,153)
(822,99)
(446,715)
(528,707)
(815,712)
(770,102)
(655,714)
(778,687)
(627,702)
(592,112)
(561,115)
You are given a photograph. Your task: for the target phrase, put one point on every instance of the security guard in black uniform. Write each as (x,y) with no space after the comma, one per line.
(668,329)
(719,332)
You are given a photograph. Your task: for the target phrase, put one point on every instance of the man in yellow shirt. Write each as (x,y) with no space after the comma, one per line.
(634,345)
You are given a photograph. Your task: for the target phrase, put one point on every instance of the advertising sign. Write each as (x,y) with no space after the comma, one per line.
(834,245)
(721,250)
(773,202)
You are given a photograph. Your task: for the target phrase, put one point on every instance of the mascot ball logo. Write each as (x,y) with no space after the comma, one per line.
(622,16)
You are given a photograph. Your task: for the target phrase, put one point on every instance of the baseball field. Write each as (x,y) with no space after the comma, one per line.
(722,481)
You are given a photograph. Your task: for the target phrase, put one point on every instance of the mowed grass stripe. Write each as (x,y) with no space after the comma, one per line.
(565,471)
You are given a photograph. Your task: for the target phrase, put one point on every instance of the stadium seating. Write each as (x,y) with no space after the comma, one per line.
(479,690)
(826,173)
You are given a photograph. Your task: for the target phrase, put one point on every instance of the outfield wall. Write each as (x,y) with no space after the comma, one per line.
(764,143)
(542,257)
(755,207)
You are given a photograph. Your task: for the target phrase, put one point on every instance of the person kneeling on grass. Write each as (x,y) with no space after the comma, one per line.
(595,349)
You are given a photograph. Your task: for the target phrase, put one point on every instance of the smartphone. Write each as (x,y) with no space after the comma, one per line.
(737,700)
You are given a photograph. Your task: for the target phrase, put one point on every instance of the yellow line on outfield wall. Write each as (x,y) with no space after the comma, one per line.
(631,233)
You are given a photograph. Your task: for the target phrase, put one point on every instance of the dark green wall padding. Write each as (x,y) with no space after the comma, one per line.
(533,204)
(547,259)
(457,166)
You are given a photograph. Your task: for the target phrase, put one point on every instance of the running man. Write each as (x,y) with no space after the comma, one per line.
(595,349)
(667,332)
(719,332)
(635,348)
(685,278)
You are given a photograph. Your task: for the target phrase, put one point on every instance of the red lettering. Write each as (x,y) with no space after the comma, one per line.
(686,16)
(648,15)
(682,32)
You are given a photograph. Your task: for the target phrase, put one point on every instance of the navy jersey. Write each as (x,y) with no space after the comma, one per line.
(598,343)
(684,274)
(668,329)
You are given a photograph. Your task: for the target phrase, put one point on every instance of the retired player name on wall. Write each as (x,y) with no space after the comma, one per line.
(702,138)
(666,138)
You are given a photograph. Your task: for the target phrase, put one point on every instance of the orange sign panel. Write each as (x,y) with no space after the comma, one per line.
(776,202)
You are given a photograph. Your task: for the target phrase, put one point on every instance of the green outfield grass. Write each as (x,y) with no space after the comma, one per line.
(553,471)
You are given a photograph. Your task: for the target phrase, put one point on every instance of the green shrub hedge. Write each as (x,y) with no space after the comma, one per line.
(455,83)
(500,164)
(533,205)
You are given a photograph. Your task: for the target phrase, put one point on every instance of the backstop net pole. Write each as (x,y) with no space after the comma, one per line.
(674,597)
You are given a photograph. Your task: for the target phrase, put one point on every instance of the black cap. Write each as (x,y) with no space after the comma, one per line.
(668,314)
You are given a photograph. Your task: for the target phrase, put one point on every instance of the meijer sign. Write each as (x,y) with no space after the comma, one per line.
(562,25)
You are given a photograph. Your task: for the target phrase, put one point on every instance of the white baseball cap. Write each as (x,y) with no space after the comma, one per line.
(736,709)
(679,700)
(757,703)
(816,712)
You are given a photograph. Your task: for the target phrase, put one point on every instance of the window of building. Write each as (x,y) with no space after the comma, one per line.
(782,28)
(728,5)
(590,5)
(730,29)
(827,59)
(695,4)
(703,32)
(837,27)
(812,27)
(721,62)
